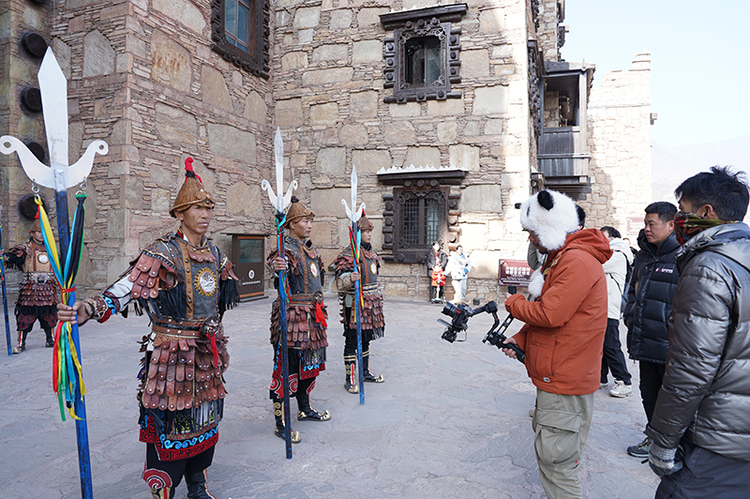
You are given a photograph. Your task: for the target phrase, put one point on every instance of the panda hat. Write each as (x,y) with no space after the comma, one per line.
(550,215)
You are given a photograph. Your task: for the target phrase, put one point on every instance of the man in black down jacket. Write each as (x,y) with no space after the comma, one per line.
(652,286)
(704,402)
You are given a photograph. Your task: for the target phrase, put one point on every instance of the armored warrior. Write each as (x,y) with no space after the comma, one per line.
(39,291)
(373,322)
(185,284)
(306,319)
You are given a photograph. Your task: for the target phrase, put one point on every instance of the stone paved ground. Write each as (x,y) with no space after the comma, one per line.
(450,421)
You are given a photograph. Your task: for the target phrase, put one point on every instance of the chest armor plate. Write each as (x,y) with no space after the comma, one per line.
(201,274)
(305,279)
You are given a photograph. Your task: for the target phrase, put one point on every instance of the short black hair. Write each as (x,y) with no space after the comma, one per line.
(611,231)
(581,216)
(664,209)
(725,191)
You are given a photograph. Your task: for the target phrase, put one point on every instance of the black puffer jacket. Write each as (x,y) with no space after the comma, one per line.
(705,394)
(652,286)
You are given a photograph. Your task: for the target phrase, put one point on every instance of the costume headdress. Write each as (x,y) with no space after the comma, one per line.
(36,226)
(550,215)
(364,223)
(297,211)
(192,191)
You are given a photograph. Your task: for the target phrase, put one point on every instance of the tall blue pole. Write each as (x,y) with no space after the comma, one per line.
(5,292)
(82,435)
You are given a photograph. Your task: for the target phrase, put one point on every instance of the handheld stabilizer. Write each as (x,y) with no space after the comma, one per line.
(460,315)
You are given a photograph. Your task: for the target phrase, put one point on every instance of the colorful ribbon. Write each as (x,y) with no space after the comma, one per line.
(67,372)
(354,241)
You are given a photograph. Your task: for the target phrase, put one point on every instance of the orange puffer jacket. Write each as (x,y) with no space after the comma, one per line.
(564,332)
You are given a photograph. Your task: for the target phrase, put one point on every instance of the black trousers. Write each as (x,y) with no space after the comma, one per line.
(613,359)
(706,475)
(181,467)
(651,377)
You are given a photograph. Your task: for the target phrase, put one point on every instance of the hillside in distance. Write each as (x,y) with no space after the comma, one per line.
(671,165)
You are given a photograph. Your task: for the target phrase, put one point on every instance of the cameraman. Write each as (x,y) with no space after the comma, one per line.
(563,335)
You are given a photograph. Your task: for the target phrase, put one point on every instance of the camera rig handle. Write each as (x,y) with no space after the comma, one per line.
(496,335)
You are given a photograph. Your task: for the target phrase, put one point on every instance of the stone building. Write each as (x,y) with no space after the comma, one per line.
(451,113)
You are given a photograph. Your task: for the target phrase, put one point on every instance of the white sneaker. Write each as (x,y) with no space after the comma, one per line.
(621,390)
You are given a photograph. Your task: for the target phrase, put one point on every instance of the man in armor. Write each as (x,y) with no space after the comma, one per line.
(39,291)
(306,319)
(185,284)
(371,313)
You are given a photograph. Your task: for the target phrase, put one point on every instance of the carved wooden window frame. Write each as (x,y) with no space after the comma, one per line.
(403,251)
(408,25)
(256,63)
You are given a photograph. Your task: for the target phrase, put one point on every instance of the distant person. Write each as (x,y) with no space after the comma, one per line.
(458,269)
(649,305)
(39,291)
(563,335)
(613,359)
(372,320)
(436,261)
(700,425)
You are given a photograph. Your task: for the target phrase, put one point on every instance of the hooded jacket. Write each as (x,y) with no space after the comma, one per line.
(564,330)
(650,294)
(616,269)
(705,394)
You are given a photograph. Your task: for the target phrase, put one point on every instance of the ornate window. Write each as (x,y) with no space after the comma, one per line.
(239,30)
(421,60)
(421,218)
(419,211)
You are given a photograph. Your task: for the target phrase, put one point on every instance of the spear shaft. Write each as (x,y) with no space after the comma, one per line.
(5,292)
(283,350)
(358,312)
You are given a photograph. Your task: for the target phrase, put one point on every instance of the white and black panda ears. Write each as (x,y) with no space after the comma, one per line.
(545,200)
(550,215)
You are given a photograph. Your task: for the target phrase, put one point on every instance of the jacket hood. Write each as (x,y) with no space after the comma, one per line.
(720,239)
(591,241)
(618,244)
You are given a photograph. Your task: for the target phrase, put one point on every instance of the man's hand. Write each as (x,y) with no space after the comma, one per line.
(354,276)
(279,264)
(74,314)
(507,351)
(664,461)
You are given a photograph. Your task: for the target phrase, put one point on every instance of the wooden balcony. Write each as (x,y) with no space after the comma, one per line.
(563,157)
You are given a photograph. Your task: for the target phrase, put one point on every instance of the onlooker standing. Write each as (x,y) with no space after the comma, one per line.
(458,268)
(563,335)
(649,305)
(705,396)
(436,262)
(615,269)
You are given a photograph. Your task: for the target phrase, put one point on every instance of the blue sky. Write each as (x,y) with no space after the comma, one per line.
(699,73)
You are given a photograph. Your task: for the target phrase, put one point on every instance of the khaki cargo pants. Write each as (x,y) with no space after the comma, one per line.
(561,427)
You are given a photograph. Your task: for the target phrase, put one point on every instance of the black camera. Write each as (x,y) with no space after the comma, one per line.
(495,336)
(460,321)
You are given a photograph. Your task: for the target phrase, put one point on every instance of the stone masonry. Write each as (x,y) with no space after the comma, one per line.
(619,117)
(143,77)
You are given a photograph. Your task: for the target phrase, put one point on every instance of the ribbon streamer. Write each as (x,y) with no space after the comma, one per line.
(67,372)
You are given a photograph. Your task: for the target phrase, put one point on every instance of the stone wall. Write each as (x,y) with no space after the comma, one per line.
(619,119)
(19,70)
(327,68)
(142,77)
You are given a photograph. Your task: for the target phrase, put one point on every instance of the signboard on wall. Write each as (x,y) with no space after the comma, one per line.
(633,225)
(513,273)
(248,257)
